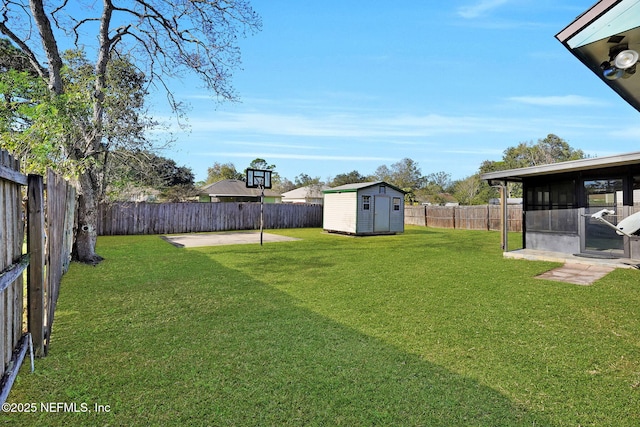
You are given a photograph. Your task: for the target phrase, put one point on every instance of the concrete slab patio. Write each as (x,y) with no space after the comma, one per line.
(538,255)
(223,238)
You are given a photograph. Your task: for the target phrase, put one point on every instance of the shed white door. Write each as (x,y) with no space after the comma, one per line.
(382,213)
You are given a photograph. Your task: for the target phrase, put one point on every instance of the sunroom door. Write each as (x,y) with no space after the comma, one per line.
(599,238)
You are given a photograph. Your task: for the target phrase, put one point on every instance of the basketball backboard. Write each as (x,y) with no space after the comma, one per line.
(258,178)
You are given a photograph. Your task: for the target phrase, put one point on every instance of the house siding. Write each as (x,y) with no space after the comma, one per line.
(340,213)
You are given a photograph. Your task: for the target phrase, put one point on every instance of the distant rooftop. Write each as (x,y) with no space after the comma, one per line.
(234,188)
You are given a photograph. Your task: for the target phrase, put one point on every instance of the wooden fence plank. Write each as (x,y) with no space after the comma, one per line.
(60,216)
(18,356)
(13,272)
(36,290)
(8,173)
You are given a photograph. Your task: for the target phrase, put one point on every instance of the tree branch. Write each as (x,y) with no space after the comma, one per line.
(33,60)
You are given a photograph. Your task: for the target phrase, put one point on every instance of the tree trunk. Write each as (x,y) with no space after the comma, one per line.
(87,233)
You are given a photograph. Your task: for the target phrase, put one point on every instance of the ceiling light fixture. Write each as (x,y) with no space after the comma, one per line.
(626,59)
(622,63)
(610,72)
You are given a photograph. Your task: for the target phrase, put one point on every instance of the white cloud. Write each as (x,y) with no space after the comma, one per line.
(632,133)
(479,9)
(263,155)
(276,145)
(487,151)
(556,101)
(392,128)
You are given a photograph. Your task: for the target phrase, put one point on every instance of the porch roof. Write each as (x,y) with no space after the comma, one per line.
(589,164)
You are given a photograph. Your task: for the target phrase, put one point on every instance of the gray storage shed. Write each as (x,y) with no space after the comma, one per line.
(366,208)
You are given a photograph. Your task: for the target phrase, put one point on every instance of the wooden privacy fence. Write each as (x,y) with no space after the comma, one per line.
(13,340)
(60,223)
(482,217)
(49,218)
(172,218)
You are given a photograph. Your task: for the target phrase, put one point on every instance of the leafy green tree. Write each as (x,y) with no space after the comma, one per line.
(220,171)
(551,149)
(471,190)
(39,128)
(284,185)
(383,173)
(12,58)
(304,180)
(163,39)
(50,131)
(130,173)
(349,178)
(261,164)
(404,174)
(439,182)
(436,188)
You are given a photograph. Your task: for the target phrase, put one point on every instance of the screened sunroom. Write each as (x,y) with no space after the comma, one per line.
(559,201)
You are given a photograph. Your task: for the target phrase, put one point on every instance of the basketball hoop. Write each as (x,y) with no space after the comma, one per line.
(259,178)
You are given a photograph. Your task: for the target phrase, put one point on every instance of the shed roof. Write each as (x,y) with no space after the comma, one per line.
(234,188)
(599,34)
(594,163)
(347,188)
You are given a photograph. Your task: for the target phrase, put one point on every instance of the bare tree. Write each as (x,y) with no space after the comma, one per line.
(168,39)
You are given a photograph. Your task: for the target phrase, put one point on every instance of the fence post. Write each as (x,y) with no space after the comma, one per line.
(35,276)
(453,212)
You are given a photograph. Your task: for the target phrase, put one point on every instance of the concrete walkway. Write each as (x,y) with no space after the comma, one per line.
(576,269)
(578,274)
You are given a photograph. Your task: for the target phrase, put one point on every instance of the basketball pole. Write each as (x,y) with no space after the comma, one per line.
(261,211)
(258,178)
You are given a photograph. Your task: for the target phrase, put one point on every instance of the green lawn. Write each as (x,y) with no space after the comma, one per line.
(431,327)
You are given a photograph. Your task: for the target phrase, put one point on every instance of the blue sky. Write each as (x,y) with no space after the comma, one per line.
(340,85)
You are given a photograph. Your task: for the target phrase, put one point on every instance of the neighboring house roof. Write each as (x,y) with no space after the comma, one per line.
(360,185)
(308,192)
(564,167)
(234,188)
